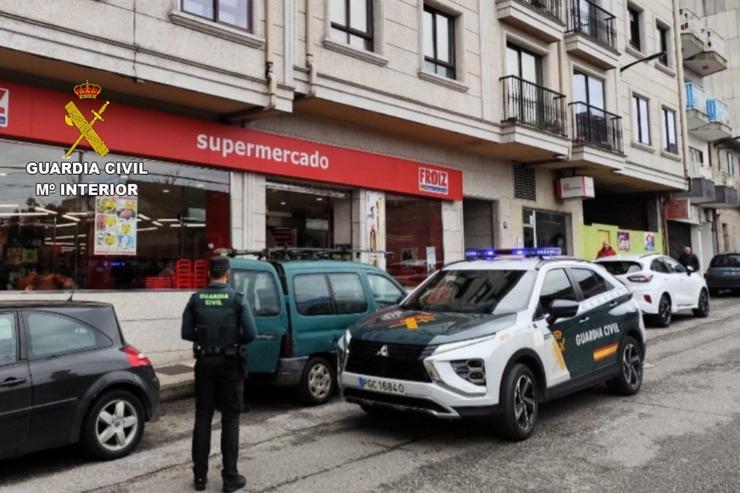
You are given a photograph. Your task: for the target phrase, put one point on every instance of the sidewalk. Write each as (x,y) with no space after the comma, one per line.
(176,380)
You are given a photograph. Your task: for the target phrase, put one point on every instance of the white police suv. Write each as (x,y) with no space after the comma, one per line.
(496,335)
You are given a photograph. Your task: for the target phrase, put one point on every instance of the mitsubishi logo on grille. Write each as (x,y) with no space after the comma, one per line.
(383,351)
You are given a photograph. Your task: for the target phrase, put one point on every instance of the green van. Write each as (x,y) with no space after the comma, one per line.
(302,307)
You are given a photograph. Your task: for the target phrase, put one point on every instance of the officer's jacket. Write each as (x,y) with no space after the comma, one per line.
(218,316)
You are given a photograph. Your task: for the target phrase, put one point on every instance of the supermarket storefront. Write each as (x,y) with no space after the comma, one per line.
(190,196)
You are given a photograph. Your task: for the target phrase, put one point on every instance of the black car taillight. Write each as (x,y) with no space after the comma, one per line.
(472,370)
(135,357)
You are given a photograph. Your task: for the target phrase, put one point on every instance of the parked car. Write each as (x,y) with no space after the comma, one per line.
(494,337)
(724,273)
(661,285)
(302,307)
(66,376)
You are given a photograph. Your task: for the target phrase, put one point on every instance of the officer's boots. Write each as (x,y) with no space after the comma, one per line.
(235,484)
(199,483)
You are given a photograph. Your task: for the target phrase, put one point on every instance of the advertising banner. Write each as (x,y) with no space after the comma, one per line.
(115,225)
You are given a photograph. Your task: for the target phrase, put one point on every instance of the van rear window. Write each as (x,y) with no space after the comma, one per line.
(260,289)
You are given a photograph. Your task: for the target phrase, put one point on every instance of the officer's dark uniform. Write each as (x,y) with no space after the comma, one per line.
(218,320)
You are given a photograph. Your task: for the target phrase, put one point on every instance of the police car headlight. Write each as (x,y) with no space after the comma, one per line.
(443,348)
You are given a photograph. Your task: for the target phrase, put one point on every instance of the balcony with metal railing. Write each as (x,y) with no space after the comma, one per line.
(702,48)
(540,18)
(596,127)
(526,103)
(592,33)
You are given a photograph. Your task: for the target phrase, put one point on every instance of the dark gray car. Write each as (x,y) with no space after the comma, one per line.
(67,376)
(724,273)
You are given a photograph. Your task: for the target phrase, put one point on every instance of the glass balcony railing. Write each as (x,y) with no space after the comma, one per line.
(695,98)
(718,111)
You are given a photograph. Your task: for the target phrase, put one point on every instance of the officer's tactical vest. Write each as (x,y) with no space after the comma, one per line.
(216,317)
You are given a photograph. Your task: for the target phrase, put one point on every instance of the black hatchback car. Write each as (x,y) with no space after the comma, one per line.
(724,273)
(67,376)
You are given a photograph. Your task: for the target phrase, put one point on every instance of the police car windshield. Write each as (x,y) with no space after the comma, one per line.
(475,291)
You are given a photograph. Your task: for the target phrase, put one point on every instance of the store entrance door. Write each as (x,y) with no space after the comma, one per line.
(307,217)
(478,217)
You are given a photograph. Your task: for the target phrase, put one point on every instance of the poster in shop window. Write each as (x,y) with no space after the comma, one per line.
(115,225)
(623,241)
(375,229)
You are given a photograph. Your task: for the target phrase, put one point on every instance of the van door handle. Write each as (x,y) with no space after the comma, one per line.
(12,382)
(583,320)
(613,304)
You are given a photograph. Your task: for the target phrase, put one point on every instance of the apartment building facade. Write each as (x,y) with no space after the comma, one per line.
(704,217)
(415,128)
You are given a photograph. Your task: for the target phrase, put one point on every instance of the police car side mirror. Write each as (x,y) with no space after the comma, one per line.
(562,309)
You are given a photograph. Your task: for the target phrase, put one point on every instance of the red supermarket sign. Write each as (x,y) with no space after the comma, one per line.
(38,115)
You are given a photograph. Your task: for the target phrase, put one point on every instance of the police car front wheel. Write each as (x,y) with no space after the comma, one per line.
(519,403)
(629,379)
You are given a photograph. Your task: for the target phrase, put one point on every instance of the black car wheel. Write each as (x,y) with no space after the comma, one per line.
(665,313)
(714,291)
(629,380)
(318,382)
(519,403)
(114,425)
(702,310)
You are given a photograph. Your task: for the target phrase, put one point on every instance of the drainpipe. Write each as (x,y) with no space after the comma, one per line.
(269,61)
(681,96)
(310,56)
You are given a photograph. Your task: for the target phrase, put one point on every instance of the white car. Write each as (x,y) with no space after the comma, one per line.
(661,285)
(496,336)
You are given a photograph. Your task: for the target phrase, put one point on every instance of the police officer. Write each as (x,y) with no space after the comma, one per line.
(218,320)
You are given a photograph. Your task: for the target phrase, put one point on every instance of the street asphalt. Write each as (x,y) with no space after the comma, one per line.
(680,433)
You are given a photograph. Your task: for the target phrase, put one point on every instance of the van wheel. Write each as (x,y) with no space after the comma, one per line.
(114,425)
(318,382)
(519,402)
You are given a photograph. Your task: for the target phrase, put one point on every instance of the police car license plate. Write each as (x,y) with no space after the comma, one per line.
(378,385)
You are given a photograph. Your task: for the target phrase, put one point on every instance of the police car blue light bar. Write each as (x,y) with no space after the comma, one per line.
(489,253)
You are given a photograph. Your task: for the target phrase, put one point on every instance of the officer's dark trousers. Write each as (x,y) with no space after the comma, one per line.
(218,385)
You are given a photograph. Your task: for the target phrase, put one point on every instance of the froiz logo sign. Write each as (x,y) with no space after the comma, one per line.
(383,351)
(434,180)
(4,103)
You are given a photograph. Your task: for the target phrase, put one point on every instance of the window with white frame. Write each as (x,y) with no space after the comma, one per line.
(352,23)
(439,42)
(662,36)
(669,131)
(640,120)
(730,163)
(235,13)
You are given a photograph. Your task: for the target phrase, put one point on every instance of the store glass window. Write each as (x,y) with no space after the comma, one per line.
(307,217)
(413,238)
(545,229)
(56,242)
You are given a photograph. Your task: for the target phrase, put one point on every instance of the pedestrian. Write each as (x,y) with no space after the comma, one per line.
(606,250)
(219,321)
(689,259)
